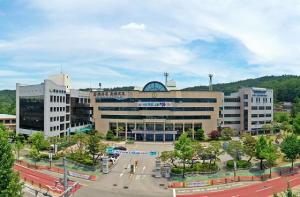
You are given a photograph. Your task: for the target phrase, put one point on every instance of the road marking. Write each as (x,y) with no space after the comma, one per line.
(293,179)
(263,189)
(174,193)
(274,179)
(143,169)
(121,174)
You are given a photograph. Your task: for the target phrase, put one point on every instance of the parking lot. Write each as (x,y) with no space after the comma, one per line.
(120,182)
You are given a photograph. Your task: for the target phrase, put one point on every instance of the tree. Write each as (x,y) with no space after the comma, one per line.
(119,130)
(216,148)
(199,134)
(270,153)
(267,128)
(34,155)
(10,183)
(38,141)
(214,135)
(168,157)
(184,150)
(259,149)
(296,123)
(18,146)
(235,149)
(190,132)
(110,135)
(93,147)
(290,146)
(227,133)
(80,138)
(282,117)
(249,143)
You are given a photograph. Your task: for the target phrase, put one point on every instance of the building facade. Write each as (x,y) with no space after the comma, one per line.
(9,121)
(248,110)
(47,107)
(156,113)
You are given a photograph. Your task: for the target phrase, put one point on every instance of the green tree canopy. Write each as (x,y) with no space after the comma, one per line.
(184,150)
(290,147)
(259,149)
(199,134)
(235,149)
(37,140)
(271,154)
(249,144)
(10,184)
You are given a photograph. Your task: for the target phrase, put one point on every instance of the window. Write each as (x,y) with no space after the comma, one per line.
(245,96)
(268,115)
(232,122)
(175,100)
(254,108)
(246,104)
(261,107)
(268,107)
(51,109)
(140,117)
(232,107)
(51,119)
(156,108)
(51,98)
(54,108)
(54,118)
(254,115)
(261,115)
(231,115)
(60,99)
(232,100)
(270,100)
(60,109)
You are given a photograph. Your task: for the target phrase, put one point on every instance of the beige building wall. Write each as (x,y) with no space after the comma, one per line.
(102,125)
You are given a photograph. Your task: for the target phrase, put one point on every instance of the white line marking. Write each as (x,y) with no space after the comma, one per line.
(174,193)
(263,189)
(293,179)
(121,174)
(274,178)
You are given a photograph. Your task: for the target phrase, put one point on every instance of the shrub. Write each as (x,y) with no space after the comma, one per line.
(241,164)
(84,159)
(110,135)
(214,135)
(198,167)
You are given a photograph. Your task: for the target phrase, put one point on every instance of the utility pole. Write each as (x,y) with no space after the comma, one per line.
(65,176)
(210,82)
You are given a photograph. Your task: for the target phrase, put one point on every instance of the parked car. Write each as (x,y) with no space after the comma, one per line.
(120,148)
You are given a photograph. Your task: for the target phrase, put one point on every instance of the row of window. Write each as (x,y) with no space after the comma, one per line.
(232,122)
(12,121)
(57,109)
(156,108)
(58,91)
(231,115)
(59,99)
(57,118)
(261,108)
(175,100)
(264,100)
(260,122)
(141,117)
(261,115)
(231,107)
(58,128)
(232,100)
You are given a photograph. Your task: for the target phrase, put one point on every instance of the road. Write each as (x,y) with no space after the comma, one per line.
(263,189)
(120,182)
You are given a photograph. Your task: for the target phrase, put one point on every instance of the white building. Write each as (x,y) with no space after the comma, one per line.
(47,107)
(249,109)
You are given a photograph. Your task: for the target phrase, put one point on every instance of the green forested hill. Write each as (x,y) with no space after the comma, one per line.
(7,102)
(286,87)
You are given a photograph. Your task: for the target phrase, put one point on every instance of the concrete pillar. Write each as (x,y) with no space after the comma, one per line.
(193,127)
(164,137)
(144,136)
(183,128)
(135,136)
(117,129)
(173,137)
(154,136)
(126,129)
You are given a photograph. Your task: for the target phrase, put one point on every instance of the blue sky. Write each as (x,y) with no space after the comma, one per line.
(131,42)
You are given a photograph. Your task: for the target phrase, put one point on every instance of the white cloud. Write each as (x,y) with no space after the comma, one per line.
(96,34)
(134,26)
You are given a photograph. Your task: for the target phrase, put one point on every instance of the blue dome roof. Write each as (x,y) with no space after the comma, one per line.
(155,86)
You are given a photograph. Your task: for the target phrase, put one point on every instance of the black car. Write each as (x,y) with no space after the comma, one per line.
(120,148)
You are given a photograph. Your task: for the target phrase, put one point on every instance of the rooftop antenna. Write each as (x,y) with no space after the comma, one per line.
(100,85)
(210,82)
(166,78)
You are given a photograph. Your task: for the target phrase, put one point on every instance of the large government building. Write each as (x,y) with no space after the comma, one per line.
(156,113)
